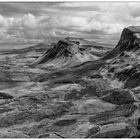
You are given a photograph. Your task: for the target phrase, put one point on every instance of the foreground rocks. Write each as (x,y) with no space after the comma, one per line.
(120,97)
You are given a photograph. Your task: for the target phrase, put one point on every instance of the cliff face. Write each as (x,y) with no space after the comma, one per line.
(125,57)
(129,41)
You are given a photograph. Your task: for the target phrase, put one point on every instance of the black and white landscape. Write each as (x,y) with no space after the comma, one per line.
(70,70)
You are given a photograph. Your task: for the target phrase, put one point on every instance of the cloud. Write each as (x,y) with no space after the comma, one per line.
(5,22)
(21,29)
(28,22)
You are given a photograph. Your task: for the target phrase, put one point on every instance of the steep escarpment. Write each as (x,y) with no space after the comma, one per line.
(124,58)
(129,41)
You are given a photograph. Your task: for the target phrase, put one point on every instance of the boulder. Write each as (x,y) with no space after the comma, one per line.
(118,130)
(107,116)
(119,97)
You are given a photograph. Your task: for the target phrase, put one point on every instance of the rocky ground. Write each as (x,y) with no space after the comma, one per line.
(71,89)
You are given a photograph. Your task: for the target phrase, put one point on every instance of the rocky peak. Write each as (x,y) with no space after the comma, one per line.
(129,39)
(63,47)
(62,50)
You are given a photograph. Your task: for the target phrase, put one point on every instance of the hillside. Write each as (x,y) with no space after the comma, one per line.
(70,52)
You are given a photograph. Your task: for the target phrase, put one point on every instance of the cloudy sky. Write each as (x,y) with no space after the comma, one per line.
(36,22)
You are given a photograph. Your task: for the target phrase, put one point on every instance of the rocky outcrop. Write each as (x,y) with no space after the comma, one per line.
(119,97)
(108,116)
(129,41)
(124,58)
(117,130)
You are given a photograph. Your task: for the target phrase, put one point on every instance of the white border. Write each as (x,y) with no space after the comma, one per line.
(69,0)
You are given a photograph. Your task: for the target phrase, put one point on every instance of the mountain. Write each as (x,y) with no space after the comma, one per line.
(121,63)
(70,52)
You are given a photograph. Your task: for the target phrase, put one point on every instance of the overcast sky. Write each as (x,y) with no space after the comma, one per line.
(39,22)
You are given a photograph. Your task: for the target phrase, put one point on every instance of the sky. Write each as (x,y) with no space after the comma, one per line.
(34,22)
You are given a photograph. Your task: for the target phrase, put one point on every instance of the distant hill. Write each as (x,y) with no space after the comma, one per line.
(38,47)
(70,52)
